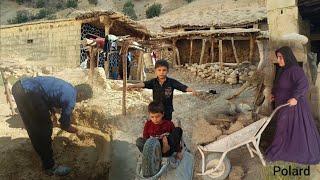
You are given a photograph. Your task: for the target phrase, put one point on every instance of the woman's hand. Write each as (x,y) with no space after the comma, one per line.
(292,102)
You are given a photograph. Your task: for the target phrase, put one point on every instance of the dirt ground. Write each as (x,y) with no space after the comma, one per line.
(105,148)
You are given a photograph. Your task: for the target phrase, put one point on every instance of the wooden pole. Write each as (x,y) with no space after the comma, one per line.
(107,66)
(139,69)
(212,49)
(91,56)
(202,50)
(8,93)
(98,58)
(235,51)
(176,54)
(261,55)
(252,40)
(220,53)
(161,53)
(190,56)
(124,53)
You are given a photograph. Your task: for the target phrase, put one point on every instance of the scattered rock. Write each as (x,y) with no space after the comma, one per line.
(245,118)
(232,109)
(46,70)
(232,80)
(236,173)
(235,127)
(251,73)
(208,133)
(242,107)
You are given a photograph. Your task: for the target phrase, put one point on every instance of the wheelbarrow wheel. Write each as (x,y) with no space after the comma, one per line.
(152,156)
(223,171)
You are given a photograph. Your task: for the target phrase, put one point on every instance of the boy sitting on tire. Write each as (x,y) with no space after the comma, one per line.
(169,136)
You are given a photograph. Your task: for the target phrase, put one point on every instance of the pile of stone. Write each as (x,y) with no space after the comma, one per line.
(18,71)
(218,126)
(227,74)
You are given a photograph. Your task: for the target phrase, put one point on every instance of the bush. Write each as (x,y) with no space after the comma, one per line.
(20,1)
(59,5)
(43,13)
(128,9)
(40,3)
(154,10)
(52,17)
(189,1)
(22,17)
(95,2)
(72,3)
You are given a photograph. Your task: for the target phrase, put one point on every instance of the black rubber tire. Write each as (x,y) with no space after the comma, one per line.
(226,163)
(152,157)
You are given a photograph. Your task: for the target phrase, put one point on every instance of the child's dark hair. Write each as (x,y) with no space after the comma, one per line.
(161,63)
(156,107)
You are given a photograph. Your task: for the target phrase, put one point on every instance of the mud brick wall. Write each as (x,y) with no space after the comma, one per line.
(55,43)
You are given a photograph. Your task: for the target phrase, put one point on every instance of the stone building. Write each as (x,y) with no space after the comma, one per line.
(195,32)
(58,42)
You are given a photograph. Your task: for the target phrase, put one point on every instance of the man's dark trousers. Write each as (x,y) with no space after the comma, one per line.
(35,114)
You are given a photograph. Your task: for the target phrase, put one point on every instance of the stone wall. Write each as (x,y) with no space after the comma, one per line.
(54,43)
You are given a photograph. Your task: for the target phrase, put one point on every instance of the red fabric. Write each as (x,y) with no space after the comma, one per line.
(151,129)
(100,42)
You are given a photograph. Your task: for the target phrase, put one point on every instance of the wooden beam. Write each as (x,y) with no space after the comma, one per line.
(124,53)
(174,52)
(92,64)
(178,55)
(139,69)
(7,91)
(252,40)
(212,49)
(107,66)
(261,55)
(90,20)
(202,50)
(190,54)
(235,51)
(220,53)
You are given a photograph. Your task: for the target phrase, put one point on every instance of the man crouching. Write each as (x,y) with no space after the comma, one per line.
(36,98)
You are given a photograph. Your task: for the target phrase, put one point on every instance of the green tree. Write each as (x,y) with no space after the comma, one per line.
(154,10)
(40,3)
(72,3)
(21,17)
(20,1)
(43,13)
(95,2)
(128,9)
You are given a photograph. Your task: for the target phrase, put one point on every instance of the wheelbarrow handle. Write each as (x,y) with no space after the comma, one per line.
(279,107)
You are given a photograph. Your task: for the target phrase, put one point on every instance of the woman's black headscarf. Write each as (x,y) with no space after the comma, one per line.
(289,60)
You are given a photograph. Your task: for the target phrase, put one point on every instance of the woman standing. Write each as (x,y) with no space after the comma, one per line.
(297,138)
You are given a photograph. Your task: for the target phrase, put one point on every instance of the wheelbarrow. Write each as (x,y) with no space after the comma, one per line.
(151,165)
(216,165)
